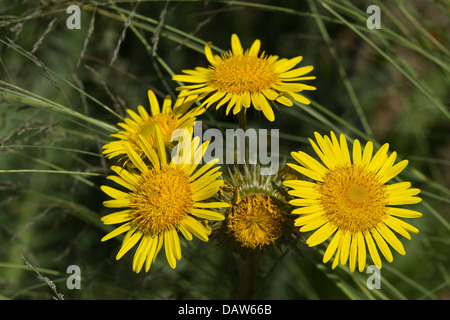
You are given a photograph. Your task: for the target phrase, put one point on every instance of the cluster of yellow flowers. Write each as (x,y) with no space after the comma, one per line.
(344,197)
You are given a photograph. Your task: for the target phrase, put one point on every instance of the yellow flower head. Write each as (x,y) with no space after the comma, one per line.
(242,78)
(168,119)
(255,221)
(350,199)
(162,200)
(258,216)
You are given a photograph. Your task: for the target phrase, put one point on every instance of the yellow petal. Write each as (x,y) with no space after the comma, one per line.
(393,223)
(304,202)
(265,107)
(186,78)
(211,204)
(185,233)
(143,113)
(299,183)
(344,149)
(207,214)
(309,162)
(372,249)
(203,169)
(299,98)
(390,237)
(238,105)
(331,249)
(167,105)
(214,98)
(114,193)
(394,171)
(127,244)
(403,213)
(353,252)
(135,158)
(356,152)
(246,100)
(321,234)
(312,224)
(208,191)
(209,55)
(154,245)
(168,246)
(196,228)
(397,186)
(175,244)
(224,100)
(231,103)
(122,182)
(297,72)
(307,218)
(327,150)
(154,105)
(335,147)
(254,49)
(367,153)
(149,151)
(387,164)
(134,115)
(308,210)
(141,254)
(309,173)
(160,145)
(283,65)
(236,46)
(361,252)
(379,158)
(117,203)
(345,247)
(117,217)
(123,228)
(125,175)
(326,160)
(205,180)
(381,243)
(307,193)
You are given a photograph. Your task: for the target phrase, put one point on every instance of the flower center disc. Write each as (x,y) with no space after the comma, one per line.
(166,122)
(241,74)
(255,221)
(356,193)
(162,200)
(353,199)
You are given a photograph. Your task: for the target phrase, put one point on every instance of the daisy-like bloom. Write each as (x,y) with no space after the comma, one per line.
(242,78)
(255,221)
(256,218)
(168,119)
(162,200)
(351,199)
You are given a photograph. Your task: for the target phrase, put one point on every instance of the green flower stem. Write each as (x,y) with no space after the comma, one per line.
(247,272)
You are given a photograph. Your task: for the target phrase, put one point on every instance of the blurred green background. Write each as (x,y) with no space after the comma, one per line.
(62,91)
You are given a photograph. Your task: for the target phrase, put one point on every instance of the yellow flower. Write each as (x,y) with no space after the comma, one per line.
(255,221)
(350,199)
(168,119)
(242,78)
(162,200)
(258,216)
